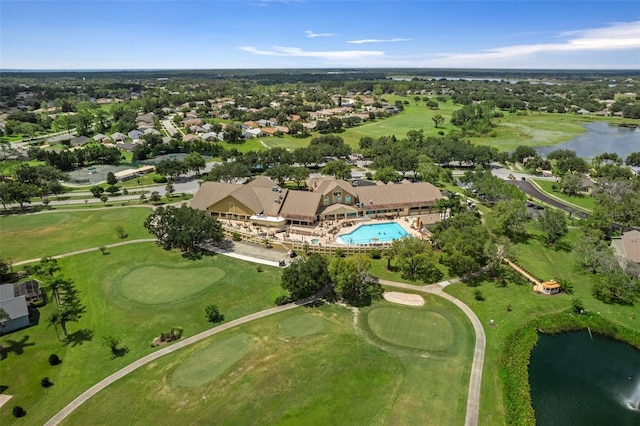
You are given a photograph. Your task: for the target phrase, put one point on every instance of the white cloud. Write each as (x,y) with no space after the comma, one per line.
(335,55)
(373,40)
(311,34)
(616,37)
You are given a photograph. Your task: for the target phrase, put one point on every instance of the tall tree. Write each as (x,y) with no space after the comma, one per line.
(508,218)
(438,119)
(415,258)
(338,169)
(184,228)
(306,276)
(353,280)
(554,225)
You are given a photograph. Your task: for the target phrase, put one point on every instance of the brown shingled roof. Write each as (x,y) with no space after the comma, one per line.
(631,244)
(210,193)
(300,205)
(389,196)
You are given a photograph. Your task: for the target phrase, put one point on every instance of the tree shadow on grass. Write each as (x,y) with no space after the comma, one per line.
(15,346)
(79,337)
(562,246)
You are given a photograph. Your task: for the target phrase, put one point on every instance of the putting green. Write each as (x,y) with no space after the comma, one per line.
(303,325)
(209,362)
(116,215)
(156,284)
(411,328)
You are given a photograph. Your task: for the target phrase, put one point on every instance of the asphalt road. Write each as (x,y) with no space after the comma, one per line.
(531,190)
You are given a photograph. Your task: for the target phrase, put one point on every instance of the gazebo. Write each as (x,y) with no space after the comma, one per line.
(550,287)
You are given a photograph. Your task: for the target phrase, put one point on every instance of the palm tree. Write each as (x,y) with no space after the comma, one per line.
(54,320)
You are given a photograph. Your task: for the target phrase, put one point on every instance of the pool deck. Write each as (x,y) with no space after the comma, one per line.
(325,233)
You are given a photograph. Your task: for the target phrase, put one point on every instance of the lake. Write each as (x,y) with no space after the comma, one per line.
(600,137)
(577,379)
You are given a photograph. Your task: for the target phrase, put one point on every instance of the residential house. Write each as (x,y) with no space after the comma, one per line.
(627,249)
(79,141)
(135,134)
(193,122)
(101,138)
(190,137)
(252,133)
(118,137)
(16,308)
(145,120)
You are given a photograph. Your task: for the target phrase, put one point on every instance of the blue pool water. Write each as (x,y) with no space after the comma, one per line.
(375,233)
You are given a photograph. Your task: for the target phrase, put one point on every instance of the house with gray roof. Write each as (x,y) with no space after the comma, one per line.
(80,140)
(15,307)
(135,134)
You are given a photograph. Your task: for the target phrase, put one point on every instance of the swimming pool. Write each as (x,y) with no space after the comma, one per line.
(374,233)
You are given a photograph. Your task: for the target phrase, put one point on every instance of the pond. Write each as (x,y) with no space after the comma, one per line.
(600,137)
(579,379)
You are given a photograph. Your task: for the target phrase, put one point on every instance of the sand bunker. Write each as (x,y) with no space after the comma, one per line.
(404,298)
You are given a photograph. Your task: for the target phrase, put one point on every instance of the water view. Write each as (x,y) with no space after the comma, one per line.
(600,137)
(578,379)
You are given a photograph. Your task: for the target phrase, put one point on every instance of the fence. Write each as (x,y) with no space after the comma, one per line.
(286,245)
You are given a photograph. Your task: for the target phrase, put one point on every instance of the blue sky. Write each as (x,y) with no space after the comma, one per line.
(157,34)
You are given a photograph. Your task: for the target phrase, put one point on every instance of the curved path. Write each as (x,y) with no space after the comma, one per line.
(475,379)
(62,414)
(87,250)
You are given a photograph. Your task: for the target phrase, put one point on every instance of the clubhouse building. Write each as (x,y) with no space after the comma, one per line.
(264,203)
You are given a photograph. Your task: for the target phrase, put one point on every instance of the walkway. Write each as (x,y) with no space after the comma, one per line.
(475,379)
(62,414)
(87,250)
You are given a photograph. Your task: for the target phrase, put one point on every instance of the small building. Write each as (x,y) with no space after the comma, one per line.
(15,307)
(550,287)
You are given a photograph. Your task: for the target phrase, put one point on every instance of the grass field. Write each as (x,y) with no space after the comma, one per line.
(240,290)
(533,129)
(134,284)
(514,305)
(312,367)
(29,236)
(586,202)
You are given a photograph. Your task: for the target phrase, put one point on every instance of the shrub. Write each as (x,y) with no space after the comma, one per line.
(259,268)
(121,232)
(235,236)
(282,300)
(125,191)
(213,314)
(375,254)
(103,250)
(18,411)
(54,359)
(478,295)
(46,383)
(160,179)
(338,252)
(113,343)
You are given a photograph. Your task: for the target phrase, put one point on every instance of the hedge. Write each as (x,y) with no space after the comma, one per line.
(514,365)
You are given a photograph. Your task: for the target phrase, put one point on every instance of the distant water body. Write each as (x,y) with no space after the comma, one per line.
(600,137)
(577,379)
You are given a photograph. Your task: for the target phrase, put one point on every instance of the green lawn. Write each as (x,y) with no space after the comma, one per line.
(533,129)
(238,289)
(545,263)
(379,269)
(585,202)
(29,236)
(306,366)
